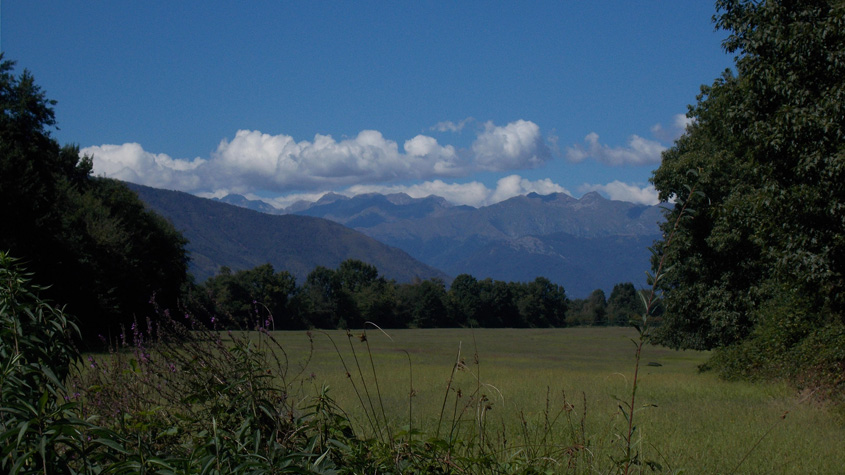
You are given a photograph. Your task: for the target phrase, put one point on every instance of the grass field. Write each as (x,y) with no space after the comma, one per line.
(546,387)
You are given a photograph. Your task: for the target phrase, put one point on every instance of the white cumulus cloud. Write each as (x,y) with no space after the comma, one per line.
(129,162)
(256,160)
(449,126)
(252,160)
(515,185)
(679,125)
(518,145)
(639,151)
(616,190)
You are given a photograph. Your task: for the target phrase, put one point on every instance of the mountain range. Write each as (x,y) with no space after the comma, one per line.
(221,234)
(583,244)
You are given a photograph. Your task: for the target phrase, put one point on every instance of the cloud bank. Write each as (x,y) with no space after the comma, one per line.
(474,193)
(130,162)
(254,160)
(616,190)
(370,163)
(449,126)
(638,151)
(679,125)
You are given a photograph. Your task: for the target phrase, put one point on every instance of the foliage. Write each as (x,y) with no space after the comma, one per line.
(767,245)
(589,311)
(423,304)
(40,430)
(89,239)
(239,296)
(623,304)
(185,403)
(542,303)
(355,293)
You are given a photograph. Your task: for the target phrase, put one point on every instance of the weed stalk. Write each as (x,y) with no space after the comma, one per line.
(650,300)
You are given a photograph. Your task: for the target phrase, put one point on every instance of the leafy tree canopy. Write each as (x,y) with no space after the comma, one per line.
(767,144)
(623,304)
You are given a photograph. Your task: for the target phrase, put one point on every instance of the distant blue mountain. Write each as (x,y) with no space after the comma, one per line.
(244,202)
(220,234)
(369,210)
(583,244)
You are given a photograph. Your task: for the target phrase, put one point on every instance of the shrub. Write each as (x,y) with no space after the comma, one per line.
(40,430)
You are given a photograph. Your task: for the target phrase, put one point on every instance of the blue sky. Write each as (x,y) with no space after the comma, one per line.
(473,101)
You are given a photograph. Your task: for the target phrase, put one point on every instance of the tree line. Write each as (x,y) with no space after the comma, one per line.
(355,293)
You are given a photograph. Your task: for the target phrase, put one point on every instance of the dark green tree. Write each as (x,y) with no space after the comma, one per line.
(499,307)
(623,304)
(354,275)
(250,297)
(367,296)
(422,304)
(464,301)
(90,240)
(765,239)
(377,303)
(323,299)
(542,304)
(597,308)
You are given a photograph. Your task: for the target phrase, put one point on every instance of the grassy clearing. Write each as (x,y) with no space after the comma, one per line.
(701,424)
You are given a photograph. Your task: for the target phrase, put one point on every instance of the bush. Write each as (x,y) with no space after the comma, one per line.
(40,430)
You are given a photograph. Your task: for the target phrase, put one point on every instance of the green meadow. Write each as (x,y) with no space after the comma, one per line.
(554,391)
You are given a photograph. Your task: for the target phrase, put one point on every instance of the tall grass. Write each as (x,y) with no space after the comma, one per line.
(701,424)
